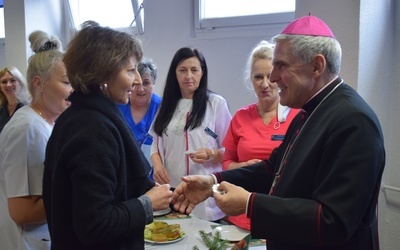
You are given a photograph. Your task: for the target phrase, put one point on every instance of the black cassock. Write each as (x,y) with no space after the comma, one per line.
(326,194)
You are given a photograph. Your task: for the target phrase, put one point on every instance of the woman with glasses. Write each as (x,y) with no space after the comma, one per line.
(143,104)
(13,93)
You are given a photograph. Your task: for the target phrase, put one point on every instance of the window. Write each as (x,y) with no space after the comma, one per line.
(2,29)
(114,14)
(212,14)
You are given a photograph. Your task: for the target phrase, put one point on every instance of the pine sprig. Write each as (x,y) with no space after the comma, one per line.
(213,243)
(217,239)
(206,238)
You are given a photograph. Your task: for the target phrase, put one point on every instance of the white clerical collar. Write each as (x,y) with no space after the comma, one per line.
(324,87)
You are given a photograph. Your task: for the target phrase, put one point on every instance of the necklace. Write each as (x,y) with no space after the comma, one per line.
(276,125)
(41,114)
(11,108)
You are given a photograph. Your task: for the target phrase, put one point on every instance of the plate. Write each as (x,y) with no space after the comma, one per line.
(161,212)
(231,232)
(165,242)
(190,151)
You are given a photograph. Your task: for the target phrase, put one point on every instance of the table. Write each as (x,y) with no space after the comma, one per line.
(191,226)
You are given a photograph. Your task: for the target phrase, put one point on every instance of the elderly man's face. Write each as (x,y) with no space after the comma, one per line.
(294,78)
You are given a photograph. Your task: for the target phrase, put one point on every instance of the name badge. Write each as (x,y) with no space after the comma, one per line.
(211,133)
(277,137)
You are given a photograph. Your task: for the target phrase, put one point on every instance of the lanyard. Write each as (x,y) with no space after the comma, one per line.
(187,145)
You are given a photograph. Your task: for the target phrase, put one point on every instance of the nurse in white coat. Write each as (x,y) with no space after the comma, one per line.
(22,148)
(189,128)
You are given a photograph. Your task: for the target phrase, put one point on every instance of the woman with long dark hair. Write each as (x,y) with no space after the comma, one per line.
(189,128)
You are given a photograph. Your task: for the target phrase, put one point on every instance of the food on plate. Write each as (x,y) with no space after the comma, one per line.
(161,231)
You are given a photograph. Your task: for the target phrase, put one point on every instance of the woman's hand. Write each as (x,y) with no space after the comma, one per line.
(27,209)
(160,196)
(201,155)
(160,174)
(252,161)
(234,164)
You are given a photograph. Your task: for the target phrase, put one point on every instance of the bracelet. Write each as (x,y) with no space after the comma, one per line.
(212,155)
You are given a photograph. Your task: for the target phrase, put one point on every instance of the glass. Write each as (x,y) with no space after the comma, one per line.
(115,14)
(218,9)
(2,28)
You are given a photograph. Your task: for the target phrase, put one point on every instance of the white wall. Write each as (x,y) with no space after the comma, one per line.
(14,22)
(368,31)
(21,17)
(225,52)
(378,69)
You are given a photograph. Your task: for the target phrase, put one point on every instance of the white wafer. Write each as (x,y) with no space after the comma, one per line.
(215,189)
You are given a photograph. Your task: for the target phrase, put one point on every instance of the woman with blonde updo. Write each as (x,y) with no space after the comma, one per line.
(23,141)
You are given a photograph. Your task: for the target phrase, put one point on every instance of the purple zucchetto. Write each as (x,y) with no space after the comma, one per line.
(308,26)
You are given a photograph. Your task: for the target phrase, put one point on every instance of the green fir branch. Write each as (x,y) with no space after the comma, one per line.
(213,243)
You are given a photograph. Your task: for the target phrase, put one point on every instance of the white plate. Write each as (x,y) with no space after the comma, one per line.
(165,242)
(231,232)
(161,212)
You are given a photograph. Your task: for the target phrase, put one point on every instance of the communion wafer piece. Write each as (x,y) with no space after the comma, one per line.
(215,189)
